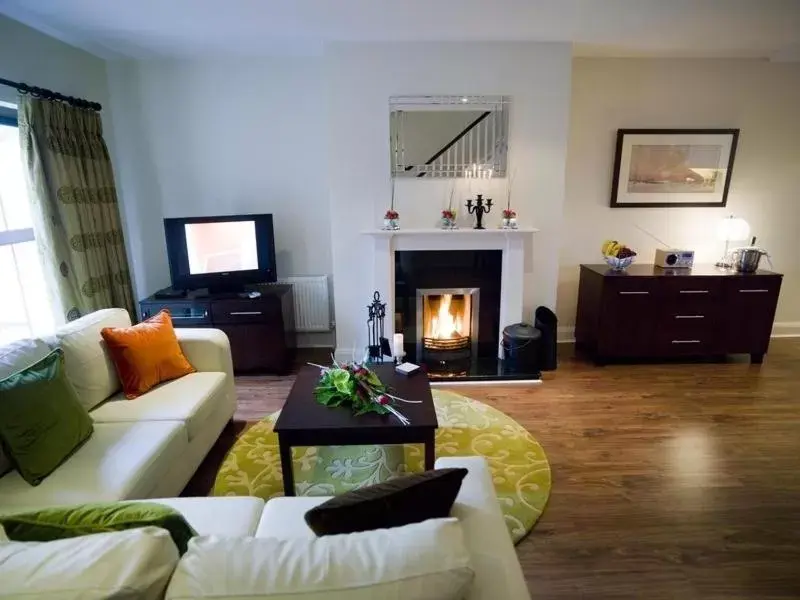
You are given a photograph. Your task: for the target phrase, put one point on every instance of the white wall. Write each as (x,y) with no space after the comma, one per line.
(760,98)
(31,57)
(220,137)
(360,80)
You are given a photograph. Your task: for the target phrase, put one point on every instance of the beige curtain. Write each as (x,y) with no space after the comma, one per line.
(74,204)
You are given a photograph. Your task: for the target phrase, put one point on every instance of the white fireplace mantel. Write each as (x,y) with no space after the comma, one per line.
(510,241)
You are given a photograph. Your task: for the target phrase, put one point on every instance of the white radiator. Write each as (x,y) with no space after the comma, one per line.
(312,307)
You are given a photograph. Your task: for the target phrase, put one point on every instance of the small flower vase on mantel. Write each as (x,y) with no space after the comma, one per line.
(509,220)
(448,219)
(391,220)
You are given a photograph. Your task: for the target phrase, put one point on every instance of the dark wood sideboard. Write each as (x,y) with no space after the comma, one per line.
(261,330)
(650,312)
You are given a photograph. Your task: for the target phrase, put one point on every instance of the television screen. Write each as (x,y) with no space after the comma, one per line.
(220,253)
(220,247)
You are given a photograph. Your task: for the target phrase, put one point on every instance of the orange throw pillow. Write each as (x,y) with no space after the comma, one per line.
(146,354)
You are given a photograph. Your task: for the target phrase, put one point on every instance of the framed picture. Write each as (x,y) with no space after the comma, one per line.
(673,167)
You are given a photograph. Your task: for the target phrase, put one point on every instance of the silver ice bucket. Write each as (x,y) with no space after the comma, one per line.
(745,260)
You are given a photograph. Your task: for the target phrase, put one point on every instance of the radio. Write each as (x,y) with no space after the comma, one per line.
(674,259)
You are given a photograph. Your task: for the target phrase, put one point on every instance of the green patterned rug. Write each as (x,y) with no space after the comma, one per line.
(467,427)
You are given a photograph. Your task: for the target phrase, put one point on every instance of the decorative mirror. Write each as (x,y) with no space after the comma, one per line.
(448,136)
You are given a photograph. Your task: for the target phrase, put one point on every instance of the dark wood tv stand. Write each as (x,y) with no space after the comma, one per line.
(261,330)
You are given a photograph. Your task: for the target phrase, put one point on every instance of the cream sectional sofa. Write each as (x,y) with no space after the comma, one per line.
(143,448)
(149,448)
(497,572)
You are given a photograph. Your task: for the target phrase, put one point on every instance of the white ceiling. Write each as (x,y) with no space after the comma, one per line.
(188,28)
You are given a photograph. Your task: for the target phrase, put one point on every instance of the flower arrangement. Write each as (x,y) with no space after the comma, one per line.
(391,220)
(354,385)
(509,220)
(449,214)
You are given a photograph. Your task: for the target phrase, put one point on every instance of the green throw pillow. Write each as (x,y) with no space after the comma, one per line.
(61,522)
(41,420)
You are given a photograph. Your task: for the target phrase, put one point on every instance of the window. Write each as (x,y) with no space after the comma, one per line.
(24,300)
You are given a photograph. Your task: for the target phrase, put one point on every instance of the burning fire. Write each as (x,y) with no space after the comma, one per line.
(444,324)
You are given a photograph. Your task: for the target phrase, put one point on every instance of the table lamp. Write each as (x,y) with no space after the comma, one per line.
(731,229)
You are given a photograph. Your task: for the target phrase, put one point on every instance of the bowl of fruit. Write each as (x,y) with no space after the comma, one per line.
(618,256)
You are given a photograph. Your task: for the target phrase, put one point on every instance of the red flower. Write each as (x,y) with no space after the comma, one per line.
(448,214)
(509,214)
(391,214)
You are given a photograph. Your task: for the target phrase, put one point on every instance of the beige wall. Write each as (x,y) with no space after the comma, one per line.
(760,98)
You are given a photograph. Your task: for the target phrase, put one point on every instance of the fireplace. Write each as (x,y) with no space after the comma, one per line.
(491,261)
(447,327)
(447,305)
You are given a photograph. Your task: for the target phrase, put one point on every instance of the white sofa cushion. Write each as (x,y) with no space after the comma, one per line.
(190,399)
(235,516)
(423,561)
(498,573)
(284,518)
(16,356)
(126,564)
(86,361)
(119,461)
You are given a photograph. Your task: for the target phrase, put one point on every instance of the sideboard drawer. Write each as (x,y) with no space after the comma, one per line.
(691,294)
(241,312)
(183,314)
(622,286)
(755,287)
(682,335)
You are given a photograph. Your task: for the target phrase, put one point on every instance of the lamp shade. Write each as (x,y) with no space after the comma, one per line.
(733,229)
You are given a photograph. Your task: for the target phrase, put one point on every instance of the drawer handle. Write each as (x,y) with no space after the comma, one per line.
(177,317)
(685,341)
(690,316)
(693,292)
(757,291)
(634,293)
(246,312)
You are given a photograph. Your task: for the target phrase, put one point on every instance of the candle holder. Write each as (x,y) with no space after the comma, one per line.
(479,209)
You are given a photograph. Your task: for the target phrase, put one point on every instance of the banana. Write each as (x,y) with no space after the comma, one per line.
(609,247)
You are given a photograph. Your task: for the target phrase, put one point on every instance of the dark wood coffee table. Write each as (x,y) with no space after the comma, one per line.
(305,422)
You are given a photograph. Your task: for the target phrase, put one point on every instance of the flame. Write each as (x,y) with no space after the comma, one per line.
(445,325)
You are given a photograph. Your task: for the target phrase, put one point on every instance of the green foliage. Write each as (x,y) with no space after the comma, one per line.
(350,385)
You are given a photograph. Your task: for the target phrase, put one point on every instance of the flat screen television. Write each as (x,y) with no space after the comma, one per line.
(221,253)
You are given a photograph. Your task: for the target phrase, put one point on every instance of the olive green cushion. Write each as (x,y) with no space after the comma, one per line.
(61,522)
(41,420)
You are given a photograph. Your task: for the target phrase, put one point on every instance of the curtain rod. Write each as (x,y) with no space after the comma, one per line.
(51,95)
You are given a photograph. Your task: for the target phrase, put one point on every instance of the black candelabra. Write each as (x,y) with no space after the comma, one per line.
(478,209)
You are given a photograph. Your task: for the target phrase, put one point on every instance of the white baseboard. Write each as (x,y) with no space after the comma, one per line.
(784,329)
(322,339)
(565,335)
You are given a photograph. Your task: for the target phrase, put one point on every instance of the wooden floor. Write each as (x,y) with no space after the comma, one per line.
(669,481)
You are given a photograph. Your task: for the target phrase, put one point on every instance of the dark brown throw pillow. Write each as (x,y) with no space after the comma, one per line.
(394,503)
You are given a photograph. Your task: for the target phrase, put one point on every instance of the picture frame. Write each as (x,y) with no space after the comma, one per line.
(664,168)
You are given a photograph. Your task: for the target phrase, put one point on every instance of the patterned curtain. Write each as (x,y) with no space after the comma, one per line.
(74,204)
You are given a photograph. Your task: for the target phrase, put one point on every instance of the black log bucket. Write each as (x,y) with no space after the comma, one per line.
(521,348)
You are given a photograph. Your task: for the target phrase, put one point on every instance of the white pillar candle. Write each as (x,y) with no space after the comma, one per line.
(397,347)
